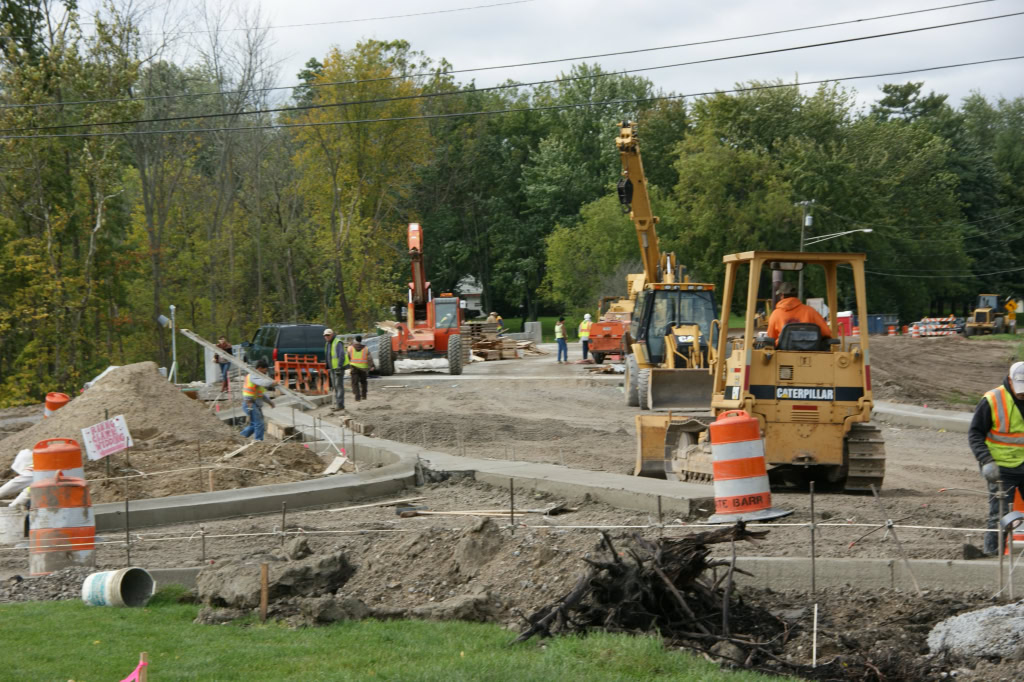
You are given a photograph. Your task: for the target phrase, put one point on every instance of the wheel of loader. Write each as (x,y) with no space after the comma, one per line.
(598,358)
(968,331)
(385,360)
(455,354)
(629,383)
(643,383)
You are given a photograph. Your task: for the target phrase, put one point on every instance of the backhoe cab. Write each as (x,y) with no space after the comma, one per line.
(672,330)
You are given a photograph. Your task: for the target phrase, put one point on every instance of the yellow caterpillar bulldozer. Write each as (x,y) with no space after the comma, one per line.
(673,328)
(812,395)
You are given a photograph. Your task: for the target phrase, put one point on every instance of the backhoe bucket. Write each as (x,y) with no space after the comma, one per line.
(679,389)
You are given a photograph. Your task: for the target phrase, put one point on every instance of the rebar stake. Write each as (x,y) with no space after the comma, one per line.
(890,527)
(284,519)
(512,505)
(814,553)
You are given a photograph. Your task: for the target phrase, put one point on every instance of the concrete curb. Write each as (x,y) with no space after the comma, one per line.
(924,417)
(398,472)
(788,573)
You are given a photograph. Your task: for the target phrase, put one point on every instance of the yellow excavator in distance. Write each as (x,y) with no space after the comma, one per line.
(673,330)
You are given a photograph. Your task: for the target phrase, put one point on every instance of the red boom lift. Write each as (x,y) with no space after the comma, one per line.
(431,327)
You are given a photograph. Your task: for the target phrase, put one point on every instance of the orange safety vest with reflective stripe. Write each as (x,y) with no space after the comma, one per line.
(1005,440)
(251,390)
(360,359)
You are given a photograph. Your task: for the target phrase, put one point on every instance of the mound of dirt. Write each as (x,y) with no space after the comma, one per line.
(950,372)
(152,408)
(261,464)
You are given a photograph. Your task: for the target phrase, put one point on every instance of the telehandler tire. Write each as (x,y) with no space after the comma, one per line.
(455,354)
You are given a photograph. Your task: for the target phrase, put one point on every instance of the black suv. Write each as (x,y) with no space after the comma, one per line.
(273,341)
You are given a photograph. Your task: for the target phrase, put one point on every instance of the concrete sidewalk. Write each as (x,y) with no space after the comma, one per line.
(925,417)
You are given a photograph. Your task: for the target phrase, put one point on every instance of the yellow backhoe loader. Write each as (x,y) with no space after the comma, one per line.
(673,329)
(812,395)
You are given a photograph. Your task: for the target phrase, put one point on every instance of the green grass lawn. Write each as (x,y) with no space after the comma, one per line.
(71,641)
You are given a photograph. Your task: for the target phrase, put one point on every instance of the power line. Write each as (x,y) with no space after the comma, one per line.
(310,107)
(467,114)
(854,221)
(343,21)
(491,68)
(952,274)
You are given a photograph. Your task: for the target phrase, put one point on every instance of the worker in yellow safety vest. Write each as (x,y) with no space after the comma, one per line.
(361,362)
(584,334)
(336,358)
(253,393)
(563,343)
(996,438)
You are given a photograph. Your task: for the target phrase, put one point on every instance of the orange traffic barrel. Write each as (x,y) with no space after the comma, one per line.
(56,454)
(915,331)
(1016,542)
(856,331)
(892,330)
(55,401)
(62,527)
(742,491)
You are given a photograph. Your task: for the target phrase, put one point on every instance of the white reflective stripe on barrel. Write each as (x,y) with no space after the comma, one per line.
(62,517)
(741,486)
(50,474)
(738,450)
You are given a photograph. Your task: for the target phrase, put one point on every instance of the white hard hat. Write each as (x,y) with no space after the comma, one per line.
(1017,377)
(328,332)
(587,316)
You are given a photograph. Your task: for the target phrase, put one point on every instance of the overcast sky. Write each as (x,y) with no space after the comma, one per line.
(533,30)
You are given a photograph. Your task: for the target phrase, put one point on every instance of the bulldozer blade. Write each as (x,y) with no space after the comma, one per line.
(659,436)
(679,389)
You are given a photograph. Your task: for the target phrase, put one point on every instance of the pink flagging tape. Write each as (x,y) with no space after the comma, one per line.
(134,677)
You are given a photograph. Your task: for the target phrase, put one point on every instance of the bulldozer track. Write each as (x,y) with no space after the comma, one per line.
(865,452)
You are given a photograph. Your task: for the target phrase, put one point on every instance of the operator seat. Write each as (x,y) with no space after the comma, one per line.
(800,336)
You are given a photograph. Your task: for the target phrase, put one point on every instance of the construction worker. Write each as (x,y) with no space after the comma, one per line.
(790,309)
(361,362)
(996,439)
(253,390)
(584,334)
(337,360)
(22,466)
(223,362)
(563,345)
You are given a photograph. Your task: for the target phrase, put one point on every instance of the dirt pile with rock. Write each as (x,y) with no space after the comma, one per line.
(173,436)
(152,407)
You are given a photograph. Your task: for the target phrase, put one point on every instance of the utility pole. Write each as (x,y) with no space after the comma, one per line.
(806,220)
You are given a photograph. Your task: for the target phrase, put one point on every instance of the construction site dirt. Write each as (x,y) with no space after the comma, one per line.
(413,561)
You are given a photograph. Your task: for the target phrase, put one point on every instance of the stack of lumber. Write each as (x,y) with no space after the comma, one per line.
(481,339)
(530,348)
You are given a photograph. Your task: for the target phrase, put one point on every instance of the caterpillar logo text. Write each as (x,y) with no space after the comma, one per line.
(792,393)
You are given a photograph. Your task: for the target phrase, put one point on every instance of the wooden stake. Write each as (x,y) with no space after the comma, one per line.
(661,525)
(211,480)
(127,528)
(199,459)
(264,591)
(144,661)
(284,520)
(512,505)
(814,639)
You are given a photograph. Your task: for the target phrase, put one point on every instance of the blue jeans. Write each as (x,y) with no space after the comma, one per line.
(563,350)
(1013,480)
(224,368)
(586,347)
(256,425)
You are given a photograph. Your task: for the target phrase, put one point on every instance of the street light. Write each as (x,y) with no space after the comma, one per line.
(820,238)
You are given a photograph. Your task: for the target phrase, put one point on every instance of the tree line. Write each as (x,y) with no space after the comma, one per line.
(266,210)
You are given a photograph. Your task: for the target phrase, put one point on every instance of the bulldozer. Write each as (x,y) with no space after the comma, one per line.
(988,317)
(812,395)
(431,327)
(673,329)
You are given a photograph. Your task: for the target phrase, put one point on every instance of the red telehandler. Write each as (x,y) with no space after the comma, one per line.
(431,326)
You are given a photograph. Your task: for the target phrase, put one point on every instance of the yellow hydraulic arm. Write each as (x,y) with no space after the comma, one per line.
(632,187)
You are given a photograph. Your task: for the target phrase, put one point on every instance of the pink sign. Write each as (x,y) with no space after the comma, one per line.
(106,438)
